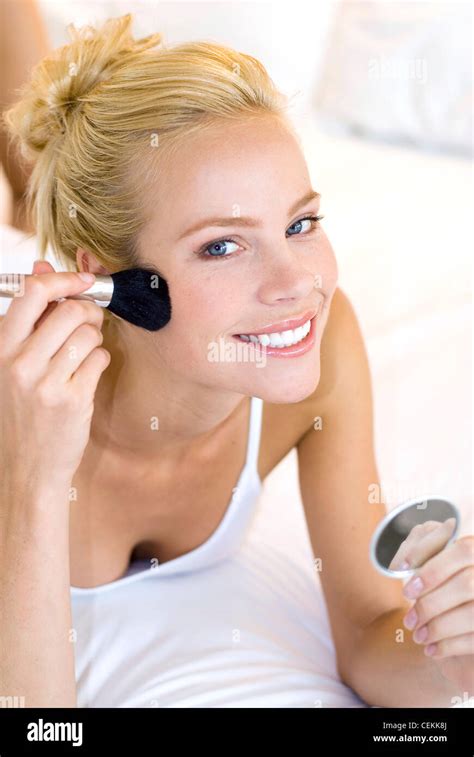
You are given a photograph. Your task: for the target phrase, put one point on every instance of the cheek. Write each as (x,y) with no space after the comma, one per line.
(201,311)
(328,267)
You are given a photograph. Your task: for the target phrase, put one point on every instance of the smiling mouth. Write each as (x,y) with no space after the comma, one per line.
(282,339)
(279,339)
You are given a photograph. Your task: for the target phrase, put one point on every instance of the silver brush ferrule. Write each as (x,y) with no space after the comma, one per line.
(100,292)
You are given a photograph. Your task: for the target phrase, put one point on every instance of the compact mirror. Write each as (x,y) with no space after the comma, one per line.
(423,526)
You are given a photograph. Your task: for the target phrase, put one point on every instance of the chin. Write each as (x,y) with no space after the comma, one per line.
(288,396)
(287,390)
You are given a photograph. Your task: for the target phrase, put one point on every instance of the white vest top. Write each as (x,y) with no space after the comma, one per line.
(232,623)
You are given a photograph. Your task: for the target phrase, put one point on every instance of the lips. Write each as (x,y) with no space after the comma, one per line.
(289,325)
(291,344)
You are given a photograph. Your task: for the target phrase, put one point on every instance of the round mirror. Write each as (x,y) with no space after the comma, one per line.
(418,527)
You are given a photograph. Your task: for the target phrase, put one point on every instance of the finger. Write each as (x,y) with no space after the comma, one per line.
(455,591)
(426,545)
(398,559)
(76,349)
(42,266)
(87,376)
(48,340)
(452,647)
(39,267)
(50,308)
(417,532)
(454,622)
(448,562)
(25,309)
(400,556)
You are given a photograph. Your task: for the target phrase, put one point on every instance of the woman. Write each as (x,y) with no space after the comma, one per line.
(136,154)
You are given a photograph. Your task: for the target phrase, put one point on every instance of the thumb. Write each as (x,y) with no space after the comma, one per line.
(42,266)
(39,267)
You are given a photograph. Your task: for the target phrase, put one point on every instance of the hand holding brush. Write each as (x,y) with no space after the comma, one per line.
(137,295)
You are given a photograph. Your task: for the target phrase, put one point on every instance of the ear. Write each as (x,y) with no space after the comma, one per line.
(86,261)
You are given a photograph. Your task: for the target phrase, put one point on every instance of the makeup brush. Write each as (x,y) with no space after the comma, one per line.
(138,295)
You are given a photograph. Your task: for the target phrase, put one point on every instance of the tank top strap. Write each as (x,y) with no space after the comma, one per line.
(255,429)
(230,532)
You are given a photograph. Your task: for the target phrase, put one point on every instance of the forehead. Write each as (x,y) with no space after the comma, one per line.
(239,163)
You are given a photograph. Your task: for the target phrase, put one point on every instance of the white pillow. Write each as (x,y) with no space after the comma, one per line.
(402,72)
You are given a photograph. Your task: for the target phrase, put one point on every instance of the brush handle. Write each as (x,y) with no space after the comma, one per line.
(100,292)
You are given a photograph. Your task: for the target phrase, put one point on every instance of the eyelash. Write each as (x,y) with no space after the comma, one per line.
(203,250)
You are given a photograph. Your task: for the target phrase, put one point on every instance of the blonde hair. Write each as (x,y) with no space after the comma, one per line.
(89,114)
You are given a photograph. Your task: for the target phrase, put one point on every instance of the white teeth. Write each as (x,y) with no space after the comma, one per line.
(288,337)
(300,332)
(281,339)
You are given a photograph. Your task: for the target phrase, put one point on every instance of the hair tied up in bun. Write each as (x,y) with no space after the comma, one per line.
(92,116)
(88,61)
(70,77)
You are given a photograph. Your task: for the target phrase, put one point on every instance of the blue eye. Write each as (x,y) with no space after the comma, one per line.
(213,248)
(217,254)
(308,218)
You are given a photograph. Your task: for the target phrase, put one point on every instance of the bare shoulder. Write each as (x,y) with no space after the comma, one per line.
(344,393)
(337,472)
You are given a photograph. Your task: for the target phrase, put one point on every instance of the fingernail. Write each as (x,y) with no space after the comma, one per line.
(421,634)
(413,588)
(87,277)
(404,565)
(430,649)
(410,619)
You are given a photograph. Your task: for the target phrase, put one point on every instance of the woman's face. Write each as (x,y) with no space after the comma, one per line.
(236,279)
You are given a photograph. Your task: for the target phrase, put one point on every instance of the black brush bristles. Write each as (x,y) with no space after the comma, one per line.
(141,297)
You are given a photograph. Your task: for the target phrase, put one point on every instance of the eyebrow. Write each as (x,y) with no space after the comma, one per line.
(244,220)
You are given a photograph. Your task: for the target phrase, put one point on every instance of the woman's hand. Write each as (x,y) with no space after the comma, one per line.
(424,540)
(442,617)
(50,364)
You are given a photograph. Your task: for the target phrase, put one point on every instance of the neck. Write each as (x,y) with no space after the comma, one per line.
(142,408)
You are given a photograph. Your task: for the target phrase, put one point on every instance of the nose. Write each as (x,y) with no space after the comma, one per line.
(286,275)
